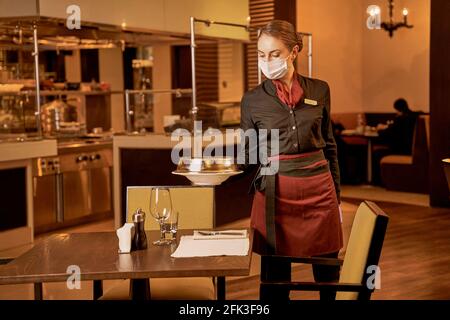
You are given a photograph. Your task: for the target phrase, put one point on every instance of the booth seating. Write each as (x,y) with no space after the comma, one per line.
(196,211)
(360,265)
(446,163)
(409,173)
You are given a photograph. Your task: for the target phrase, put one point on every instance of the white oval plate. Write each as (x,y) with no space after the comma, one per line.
(207,179)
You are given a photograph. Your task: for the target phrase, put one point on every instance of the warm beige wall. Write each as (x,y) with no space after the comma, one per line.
(366,69)
(337,47)
(164,15)
(231,71)
(10,8)
(162,80)
(397,67)
(177,13)
(111,71)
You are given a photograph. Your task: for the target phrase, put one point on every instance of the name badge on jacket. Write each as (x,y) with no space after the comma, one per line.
(311,102)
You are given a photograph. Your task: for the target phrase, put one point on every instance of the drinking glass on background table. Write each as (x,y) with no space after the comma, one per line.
(161,209)
(170,227)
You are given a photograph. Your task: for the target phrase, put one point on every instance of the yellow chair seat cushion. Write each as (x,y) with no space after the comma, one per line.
(168,289)
(397,159)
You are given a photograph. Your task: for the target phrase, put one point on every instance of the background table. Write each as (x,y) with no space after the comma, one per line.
(368,138)
(97,257)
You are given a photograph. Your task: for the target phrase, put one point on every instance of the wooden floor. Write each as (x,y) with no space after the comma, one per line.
(415,262)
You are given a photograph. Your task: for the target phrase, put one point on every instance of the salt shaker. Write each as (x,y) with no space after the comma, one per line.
(140,239)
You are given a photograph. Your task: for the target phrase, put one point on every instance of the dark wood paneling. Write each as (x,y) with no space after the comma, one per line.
(286,10)
(207,72)
(439,100)
(89,65)
(181,78)
(261,12)
(54,62)
(98,112)
(181,67)
(207,76)
(128,55)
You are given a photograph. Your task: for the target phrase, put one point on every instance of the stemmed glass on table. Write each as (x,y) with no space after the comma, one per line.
(161,209)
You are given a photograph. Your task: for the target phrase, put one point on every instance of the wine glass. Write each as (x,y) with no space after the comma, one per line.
(160,209)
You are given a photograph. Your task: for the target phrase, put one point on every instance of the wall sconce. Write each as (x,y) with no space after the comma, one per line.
(392,26)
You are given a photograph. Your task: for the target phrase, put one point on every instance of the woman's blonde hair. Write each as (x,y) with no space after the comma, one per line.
(284,31)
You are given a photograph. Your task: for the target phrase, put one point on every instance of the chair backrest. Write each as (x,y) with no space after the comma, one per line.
(446,163)
(421,140)
(194,204)
(363,249)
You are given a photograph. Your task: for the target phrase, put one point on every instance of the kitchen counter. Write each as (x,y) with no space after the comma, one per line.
(163,141)
(83,145)
(27,149)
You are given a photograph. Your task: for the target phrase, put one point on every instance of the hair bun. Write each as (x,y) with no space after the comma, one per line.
(300,41)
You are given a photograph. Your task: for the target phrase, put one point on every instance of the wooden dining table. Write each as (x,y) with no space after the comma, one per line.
(368,139)
(95,256)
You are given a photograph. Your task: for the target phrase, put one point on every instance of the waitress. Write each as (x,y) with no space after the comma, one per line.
(296,211)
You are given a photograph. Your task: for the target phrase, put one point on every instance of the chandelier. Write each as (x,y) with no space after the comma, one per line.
(390,26)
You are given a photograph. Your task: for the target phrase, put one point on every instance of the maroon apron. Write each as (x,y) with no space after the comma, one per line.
(305,209)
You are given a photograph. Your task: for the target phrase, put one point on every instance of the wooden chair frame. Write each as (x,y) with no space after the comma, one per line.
(373,258)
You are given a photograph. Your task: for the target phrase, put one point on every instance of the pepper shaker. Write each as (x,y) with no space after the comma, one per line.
(140,239)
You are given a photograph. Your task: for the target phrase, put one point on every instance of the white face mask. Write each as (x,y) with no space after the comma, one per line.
(275,68)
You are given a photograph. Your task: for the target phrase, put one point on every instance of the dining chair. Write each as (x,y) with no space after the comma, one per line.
(194,204)
(360,274)
(196,211)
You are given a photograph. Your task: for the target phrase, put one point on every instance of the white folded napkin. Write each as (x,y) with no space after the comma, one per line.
(219,234)
(189,247)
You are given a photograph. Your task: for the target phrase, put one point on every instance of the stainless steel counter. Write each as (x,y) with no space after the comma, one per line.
(75,186)
(14,150)
(83,145)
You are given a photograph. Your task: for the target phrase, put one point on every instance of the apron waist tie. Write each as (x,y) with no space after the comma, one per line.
(271,238)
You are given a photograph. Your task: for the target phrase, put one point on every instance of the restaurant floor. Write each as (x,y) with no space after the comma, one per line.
(414,263)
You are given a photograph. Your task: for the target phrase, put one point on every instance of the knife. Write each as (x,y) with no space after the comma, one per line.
(217,233)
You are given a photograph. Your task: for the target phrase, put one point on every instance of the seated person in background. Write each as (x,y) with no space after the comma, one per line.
(398,136)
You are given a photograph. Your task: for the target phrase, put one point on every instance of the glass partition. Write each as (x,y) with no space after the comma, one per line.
(17,107)
(153,110)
